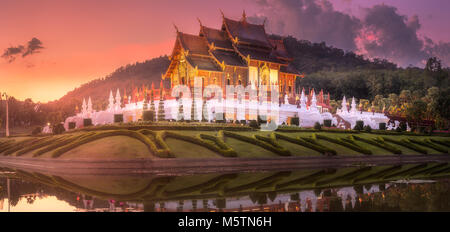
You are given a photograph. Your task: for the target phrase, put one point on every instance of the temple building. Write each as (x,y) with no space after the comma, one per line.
(239,53)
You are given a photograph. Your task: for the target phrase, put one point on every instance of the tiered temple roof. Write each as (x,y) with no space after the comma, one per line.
(235,44)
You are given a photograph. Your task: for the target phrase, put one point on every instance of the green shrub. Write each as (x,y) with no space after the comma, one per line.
(273,141)
(382,126)
(146,140)
(349,176)
(87,122)
(405,143)
(359,126)
(148,115)
(378,174)
(317,126)
(40,144)
(319,148)
(379,143)
(403,126)
(254,124)
(60,143)
(36,130)
(327,122)
(161,149)
(58,129)
(367,129)
(407,171)
(222,149)
(295,121)
(118,118)
(344,143)
(428,143)
(261,120)
(20,145)
(255,141)
(441,142)
(72,125)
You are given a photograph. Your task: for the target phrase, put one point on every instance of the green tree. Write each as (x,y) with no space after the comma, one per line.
(416,111)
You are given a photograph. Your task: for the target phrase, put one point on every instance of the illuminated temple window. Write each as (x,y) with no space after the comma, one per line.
(264,76)
(253,74)
(273,76)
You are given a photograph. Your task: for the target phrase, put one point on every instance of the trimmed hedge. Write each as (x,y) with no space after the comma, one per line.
(253,140)
(382,126)
(327,122)
(437,166)
(443,143)
(331,130)
(295,121)
(222,149)
(60,144)
(254,124)
(440,171)
(359,125)
(72,125)
(405,143)
(317,126)
(58,129)
(168,126)
(319,148)
(272,140)
(226,150)
(148,115)
(407,171)
(20,145)
(270,179)
(347,176)
(347,144)
(428,143)
(161,149)
(6,145)
(152,147)
(201,186)
(87,122)
(379,143)
(36,130)
(378,174)
(118,118)
(40,144)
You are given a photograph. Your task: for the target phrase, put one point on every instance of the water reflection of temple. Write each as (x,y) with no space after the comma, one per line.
(393,196)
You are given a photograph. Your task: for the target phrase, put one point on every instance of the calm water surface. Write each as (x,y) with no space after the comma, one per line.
(349,189)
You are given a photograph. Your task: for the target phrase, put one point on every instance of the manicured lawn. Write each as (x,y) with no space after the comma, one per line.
(114,147)
(248,150)
(126,147)
(183,149)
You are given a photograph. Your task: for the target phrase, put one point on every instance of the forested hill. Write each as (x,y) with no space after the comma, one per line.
(125,77)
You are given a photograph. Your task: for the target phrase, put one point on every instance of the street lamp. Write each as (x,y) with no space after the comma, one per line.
(7,113)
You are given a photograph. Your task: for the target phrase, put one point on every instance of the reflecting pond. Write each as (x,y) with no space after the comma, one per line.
(411,187)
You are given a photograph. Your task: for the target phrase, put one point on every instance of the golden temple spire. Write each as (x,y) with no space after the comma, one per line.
(244,16)
(201,25)
(176,28)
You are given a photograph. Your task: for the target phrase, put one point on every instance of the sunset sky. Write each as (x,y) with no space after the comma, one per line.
(86,40)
